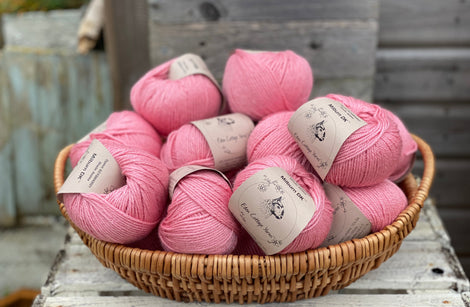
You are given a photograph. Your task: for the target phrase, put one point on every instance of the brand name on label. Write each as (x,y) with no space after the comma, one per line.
(341,116)
(83,172)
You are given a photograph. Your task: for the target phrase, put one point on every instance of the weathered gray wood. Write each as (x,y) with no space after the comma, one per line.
(52,29)
(127,47)
(443,125)
(7,197)
(188,11)
(434,74)
(451,185)
(55,98)
(2,40)
(431,299)
(456,221)
(336,49)
(424,22)
(361,88)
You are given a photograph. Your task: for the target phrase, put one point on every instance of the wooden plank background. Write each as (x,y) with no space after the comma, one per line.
(337,37)
(423,75)
(7,197)
(53,98)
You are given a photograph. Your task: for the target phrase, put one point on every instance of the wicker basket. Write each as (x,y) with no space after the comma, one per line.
(260,279)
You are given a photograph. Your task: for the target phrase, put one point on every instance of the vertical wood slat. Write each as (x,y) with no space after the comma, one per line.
(55,98)
(127,48)
(7,197)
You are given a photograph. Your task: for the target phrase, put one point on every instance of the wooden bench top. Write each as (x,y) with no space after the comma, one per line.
(424,272)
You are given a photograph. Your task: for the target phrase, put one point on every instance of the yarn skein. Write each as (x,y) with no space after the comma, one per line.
(317,228)
(186,145)
(370,154)
(168,104)
(126,128)
(261,83)
(380,203)
(271,137)
(408,151)
(198,219)
(129,213)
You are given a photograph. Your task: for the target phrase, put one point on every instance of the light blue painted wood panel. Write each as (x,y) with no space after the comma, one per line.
(55,98)
(20,90)
(7,201)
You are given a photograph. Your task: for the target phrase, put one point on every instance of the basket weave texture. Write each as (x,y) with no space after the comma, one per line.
(260,279)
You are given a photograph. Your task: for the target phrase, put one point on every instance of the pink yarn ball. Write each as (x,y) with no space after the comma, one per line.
(186,145)
(261,83)
(126,128)
(371,153)
(198,219)
(317,228)
(169,104)
(380,203)
(129,213)
(271,137)
(408,151)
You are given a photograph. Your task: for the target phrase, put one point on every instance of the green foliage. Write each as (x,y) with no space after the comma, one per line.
(18,6)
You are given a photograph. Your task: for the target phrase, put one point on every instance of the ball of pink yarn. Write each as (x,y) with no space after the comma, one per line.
(129,213)
(317,228)
(380,203)
(198,219)
(370,154)
(261,83)
(168,104)
(408,151)
(186,145)
(126,128)
(271,137)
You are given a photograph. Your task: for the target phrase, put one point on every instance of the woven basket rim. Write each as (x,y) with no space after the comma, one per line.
(378,245)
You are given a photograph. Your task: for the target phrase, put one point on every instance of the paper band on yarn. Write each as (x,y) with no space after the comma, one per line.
(192,64)
(348,221)
(273,208)
(320,127)
(184,171)
(96,172)
(100,128)
(227,136)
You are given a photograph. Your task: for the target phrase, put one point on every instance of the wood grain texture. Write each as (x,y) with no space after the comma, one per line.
(451,185)
(424,23)
(53,29)
(424,272)
(7,196)
(189,11)
(127,47)
(54,99)
(327,47)
(429,299)
(427,75)
(443,125)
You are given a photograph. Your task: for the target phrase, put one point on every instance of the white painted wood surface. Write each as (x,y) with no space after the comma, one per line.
(424,272)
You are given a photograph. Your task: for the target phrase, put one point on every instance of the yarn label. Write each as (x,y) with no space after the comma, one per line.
(348,221)
(183,171)
(100,128)
(227,136)
(96,172)
(320,127)
(190,64)
(273,208)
